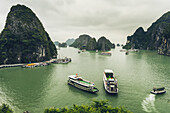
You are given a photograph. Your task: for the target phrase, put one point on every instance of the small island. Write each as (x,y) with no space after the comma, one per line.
(87,42)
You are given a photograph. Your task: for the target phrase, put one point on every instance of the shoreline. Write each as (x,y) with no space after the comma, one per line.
(22,64)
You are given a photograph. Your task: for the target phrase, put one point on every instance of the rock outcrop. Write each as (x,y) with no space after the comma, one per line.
(157,37)
(89,43)
(70,41)
(104,44)
(81,42)
(24,38)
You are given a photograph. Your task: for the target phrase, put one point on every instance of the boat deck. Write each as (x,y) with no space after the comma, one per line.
(84,82)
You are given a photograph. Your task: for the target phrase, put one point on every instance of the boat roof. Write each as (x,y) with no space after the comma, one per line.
(108,71)
(84,82)
(74,76)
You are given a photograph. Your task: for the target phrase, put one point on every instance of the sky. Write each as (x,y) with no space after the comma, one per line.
(114,19)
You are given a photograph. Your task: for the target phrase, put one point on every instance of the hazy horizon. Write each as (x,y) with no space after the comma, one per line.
(64,19)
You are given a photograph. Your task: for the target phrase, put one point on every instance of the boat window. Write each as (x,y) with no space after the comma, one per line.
(109,75)
(112,83)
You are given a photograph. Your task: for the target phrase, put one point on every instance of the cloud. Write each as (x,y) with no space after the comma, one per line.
(115,19)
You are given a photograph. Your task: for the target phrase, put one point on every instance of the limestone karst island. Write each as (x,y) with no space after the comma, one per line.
(71,56)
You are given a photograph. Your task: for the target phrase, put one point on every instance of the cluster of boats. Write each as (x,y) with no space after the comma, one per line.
(109,81)
(62,60)
(31,65)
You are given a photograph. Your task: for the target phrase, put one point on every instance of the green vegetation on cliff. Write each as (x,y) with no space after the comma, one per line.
(92,44)
(62,45)
(157,37)
(104,44)
(24,38)
(81,42)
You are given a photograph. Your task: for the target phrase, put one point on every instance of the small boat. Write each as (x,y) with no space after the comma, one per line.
(110,82)
(62,60)
(106,53)
(126,52)
(81,83)
(97,51)
(83,50)
(160,90)
(133,50)
(79,51)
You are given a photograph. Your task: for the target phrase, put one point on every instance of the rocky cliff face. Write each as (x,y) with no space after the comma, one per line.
(24,38)
(104,44)
(92,44)
(88,43)
(81,42)
(70,41)
(157,36)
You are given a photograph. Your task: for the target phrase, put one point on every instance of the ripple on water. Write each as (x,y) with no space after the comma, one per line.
(148,104)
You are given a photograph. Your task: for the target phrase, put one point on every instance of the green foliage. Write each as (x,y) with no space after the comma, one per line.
(96,107)
(62,45)
(5,109)
(127,46)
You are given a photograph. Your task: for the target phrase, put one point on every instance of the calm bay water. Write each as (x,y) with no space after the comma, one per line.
(35,89)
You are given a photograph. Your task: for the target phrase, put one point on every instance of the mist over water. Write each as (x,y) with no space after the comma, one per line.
(35,89)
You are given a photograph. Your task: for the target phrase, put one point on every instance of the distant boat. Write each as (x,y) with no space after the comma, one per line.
(79,51)
(97,51)
(126,52)
(106,53)
(62,60)
(81,83)
(83,50)
(110,82)
(31,65)
(123,50)
(133,50)
(160,90)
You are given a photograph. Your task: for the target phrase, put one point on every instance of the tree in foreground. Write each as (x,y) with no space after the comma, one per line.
(5,109)
(96,107)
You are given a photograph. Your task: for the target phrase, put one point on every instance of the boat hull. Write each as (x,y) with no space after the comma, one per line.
(83,87)
(158,92)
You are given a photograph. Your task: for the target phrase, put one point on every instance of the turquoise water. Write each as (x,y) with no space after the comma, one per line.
(35,89)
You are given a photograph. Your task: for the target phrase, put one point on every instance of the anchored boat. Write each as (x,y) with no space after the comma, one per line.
(110,82)
(160,90)
(62,60)
(106,53)
(81,83)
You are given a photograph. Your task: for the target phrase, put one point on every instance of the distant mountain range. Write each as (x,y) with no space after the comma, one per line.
(157,37)
(24,38)
(70,41)
(87,42)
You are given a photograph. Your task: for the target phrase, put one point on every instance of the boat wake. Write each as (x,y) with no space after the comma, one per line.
(148,104)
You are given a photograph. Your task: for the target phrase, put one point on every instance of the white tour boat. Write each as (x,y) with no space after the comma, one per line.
(81,83)
(110,82)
